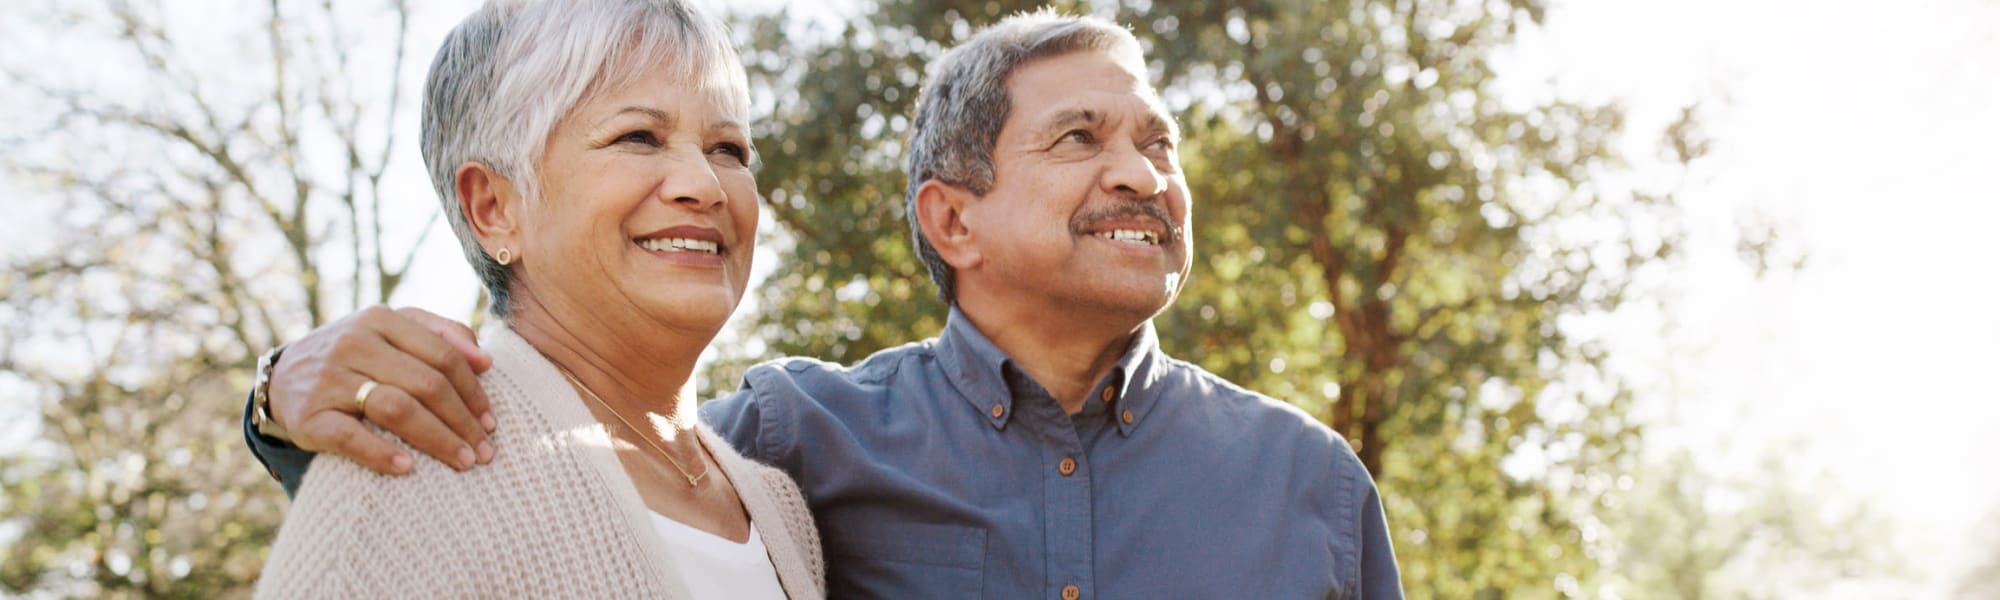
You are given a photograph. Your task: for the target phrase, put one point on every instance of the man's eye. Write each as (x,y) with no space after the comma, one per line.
(1079,136)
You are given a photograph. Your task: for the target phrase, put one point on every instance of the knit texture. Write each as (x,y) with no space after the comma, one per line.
(553,516)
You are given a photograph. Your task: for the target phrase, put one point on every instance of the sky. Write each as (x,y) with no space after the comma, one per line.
(1864,131)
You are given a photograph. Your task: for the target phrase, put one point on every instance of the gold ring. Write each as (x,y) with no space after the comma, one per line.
(361,396)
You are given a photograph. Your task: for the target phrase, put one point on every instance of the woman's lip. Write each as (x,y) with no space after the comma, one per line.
(685,257)
(690,232)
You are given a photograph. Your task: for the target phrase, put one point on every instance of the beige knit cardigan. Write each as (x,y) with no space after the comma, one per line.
(553,516)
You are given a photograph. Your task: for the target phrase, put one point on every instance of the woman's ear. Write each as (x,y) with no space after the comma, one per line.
(941,209)
(492,207)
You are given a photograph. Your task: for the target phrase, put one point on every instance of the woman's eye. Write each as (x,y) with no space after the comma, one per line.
(639,137)
(733,149)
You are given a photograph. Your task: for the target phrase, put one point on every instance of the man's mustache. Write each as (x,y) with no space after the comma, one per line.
(1085,222)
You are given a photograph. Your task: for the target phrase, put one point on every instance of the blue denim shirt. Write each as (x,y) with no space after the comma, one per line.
(940,470)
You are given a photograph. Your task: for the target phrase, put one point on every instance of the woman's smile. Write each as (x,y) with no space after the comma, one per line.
(686,245)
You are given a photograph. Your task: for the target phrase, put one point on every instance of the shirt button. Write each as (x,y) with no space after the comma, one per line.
(1071,593)
(1107,394)
(997,411)
(1127,417)
(1067,467)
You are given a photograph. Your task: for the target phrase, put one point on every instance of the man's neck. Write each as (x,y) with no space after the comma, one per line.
(1067,353)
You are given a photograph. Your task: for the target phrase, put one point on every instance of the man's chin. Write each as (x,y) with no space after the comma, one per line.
(1135,302)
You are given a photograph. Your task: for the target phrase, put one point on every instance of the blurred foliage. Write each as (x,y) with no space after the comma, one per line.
(196,216)
(1380,240)
(1685,533)
(1982,579)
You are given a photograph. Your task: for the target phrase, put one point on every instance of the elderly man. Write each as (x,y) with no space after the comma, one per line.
(1042,446)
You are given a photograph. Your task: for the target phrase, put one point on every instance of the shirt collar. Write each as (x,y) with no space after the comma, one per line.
(976,368)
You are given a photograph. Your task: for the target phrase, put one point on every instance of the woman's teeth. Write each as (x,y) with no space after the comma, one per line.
(1131,235)
(681,245)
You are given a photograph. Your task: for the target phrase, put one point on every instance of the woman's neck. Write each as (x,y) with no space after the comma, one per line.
(642,374)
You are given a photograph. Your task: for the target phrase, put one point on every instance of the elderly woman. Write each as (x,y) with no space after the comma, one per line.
(595,163)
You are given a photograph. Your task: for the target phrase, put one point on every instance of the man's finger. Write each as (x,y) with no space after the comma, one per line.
(397,411)
(342,434)
(462,373)
(458,334)
(431,351)
(434,392)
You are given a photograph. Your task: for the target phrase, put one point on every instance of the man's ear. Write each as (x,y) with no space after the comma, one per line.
(941,209)
(492,206)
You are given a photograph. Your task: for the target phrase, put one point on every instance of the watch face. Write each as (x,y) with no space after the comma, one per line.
(261,390)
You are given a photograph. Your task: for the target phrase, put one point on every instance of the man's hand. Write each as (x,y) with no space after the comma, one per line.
(427,390)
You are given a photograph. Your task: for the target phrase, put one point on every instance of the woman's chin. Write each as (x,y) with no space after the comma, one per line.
(691,310)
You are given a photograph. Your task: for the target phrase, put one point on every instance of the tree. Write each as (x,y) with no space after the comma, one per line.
(201,210)
(1380,240)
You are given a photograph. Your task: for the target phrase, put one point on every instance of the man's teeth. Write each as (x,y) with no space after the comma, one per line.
(680,244)
(1131,235)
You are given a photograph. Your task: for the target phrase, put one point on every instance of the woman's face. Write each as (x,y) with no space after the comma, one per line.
(648,206)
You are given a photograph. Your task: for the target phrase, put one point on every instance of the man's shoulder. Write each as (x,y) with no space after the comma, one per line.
(1244,412)
(819,376)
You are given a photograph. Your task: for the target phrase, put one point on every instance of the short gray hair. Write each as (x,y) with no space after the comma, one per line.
(964,103)
(512,70)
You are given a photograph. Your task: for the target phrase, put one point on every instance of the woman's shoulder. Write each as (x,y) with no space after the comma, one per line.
(540,499)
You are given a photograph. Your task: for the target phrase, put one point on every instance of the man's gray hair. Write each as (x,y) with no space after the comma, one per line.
(512,70)
(964,103)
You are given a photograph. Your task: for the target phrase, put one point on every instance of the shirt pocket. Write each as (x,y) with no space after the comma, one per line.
(904,560)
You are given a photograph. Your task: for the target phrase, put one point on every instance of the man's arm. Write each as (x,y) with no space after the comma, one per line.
(756,420)
(285,462)
(427,392)
(1380,578)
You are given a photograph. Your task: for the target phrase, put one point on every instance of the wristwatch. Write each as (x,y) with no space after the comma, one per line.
(260,398)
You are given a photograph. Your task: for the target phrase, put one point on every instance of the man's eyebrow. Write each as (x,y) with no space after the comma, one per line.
(1070,118)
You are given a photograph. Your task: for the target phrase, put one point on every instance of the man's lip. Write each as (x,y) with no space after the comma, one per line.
(691,232)
(1148,224)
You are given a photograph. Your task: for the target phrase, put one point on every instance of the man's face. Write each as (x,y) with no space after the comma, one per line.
(1088,209)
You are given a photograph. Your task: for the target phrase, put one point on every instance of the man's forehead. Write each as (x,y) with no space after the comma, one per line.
(1092,100)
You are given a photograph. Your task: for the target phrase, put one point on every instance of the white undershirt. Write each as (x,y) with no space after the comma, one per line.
(714,567)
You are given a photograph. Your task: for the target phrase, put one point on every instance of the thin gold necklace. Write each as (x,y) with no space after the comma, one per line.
(693,479)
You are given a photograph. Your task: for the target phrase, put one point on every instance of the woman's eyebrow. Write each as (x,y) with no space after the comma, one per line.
(726,125)
(653,113)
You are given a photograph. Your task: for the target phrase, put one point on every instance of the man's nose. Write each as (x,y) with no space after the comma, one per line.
(1134,174)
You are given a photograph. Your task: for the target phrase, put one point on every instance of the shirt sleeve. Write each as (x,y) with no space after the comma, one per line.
(1380,577)
(754,419)
(285,462)
(735,417)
